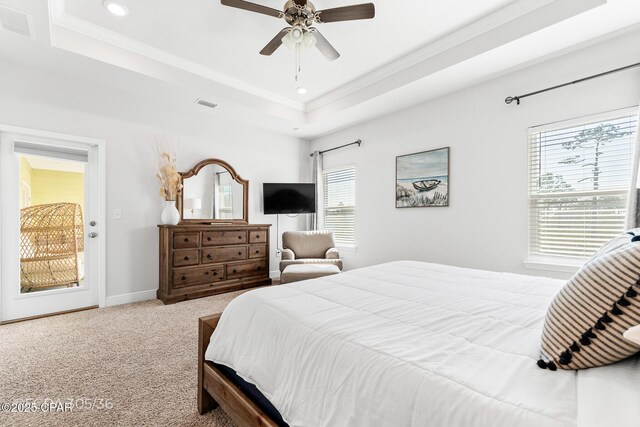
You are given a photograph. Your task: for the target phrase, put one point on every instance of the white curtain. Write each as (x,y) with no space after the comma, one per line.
(318,218)
(633,211)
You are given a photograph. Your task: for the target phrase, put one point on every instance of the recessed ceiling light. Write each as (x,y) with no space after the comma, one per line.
(116,8)
(301,90)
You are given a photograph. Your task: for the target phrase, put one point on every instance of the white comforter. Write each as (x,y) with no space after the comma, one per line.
(415,344)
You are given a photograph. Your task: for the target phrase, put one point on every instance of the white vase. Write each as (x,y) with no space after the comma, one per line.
(170,214)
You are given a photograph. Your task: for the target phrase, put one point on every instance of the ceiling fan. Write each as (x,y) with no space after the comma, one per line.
(300,15)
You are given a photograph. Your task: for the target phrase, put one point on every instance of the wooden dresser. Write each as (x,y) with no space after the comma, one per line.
(199,260)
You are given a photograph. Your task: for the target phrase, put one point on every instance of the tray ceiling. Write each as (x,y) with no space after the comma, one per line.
(411,51)
(228,40)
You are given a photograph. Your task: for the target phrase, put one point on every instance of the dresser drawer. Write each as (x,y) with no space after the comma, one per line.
(185,257)
(247,269)
(259,236)
(212,274)
(233,253)
(186,240)
(257,251)
(211,238)
(186,277)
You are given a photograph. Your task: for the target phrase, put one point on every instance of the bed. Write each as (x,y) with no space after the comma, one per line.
(403,344)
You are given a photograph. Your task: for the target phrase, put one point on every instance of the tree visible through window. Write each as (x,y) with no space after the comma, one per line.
(579,176)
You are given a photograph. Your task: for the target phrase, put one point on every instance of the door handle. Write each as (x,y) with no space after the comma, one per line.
(93,235)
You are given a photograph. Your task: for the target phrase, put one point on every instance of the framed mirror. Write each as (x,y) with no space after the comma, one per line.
(213,192)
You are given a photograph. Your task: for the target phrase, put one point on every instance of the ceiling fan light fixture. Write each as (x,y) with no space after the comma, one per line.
(297,34)
(116,8)
(300,15)
(308,40)
(286,40)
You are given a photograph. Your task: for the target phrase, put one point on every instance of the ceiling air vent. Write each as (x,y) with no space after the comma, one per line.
(206,103)
(16,22)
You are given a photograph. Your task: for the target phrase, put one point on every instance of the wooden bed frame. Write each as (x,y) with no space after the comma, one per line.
(215,389)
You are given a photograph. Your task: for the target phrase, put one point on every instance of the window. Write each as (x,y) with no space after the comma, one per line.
(226,201)
(579,175)
(339,188)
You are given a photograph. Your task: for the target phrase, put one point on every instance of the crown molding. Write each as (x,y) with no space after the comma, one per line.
(566,51)
(511,22)
(61,19)
(493,21)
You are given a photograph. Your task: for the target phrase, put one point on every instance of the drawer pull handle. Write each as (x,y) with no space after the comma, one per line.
(209,256)
(215,273)
(257,251)
(239,253)
(206,273)
(184,277)
(208,239)
(235,271)
(186,240)
(257,236)
(259,268)
(186,258)
(240,237)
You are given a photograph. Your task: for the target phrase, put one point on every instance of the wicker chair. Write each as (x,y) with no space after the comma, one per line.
(51,246)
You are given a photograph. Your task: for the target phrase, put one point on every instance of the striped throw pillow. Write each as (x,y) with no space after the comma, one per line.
(585,322)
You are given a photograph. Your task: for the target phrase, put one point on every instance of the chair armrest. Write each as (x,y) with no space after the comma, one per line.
(288,254)
(332,253)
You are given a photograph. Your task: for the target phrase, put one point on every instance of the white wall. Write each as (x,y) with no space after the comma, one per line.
(486,224)
(36,99)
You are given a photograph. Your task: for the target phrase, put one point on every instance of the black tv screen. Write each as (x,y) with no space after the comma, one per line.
(289,198)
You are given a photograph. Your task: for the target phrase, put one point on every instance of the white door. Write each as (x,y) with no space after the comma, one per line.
(51,249)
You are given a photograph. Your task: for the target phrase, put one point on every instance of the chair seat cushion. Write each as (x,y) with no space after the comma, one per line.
(298,272)
(287,262)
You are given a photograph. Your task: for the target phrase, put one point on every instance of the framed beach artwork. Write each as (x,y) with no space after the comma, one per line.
(422,179)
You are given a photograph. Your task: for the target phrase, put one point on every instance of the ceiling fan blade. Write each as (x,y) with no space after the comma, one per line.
(347,13)
(301,3)
(275,42)
(252,7)
(325,47)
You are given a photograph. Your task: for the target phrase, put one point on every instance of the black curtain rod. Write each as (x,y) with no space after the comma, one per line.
(337,148)
(510,99)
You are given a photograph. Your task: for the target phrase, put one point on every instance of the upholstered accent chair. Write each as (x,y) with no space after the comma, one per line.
(309,247)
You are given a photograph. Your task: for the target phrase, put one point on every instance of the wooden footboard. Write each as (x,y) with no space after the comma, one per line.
(206,326)
(215,389)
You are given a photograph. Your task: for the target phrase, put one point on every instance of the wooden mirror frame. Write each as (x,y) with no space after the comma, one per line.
(245,193)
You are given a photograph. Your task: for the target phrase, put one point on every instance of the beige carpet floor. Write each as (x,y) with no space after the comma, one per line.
(141,356)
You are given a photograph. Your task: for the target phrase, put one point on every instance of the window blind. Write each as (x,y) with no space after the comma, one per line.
(579,177)
(56,152)
(339,188)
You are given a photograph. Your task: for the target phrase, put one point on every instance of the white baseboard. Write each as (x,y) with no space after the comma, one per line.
(132,297)
(151,294)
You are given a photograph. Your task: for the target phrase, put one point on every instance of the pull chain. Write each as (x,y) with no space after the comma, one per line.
(298,67)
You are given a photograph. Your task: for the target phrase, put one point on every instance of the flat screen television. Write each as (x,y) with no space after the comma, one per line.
(289,198)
